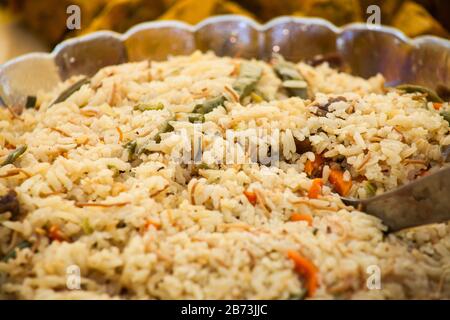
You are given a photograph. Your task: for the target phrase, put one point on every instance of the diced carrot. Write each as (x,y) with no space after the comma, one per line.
(311,167)
(306,269)
(251,197)
(302,217)
(120,134)
(437,105)
(337,180)
(316,188)
(153,223)
(55,233)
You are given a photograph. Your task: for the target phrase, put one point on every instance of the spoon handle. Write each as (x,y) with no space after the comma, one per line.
(424,201)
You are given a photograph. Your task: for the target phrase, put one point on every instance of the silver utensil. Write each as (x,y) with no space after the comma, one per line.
(423,201)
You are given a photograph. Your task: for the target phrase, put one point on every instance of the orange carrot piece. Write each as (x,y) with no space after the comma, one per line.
(153,223)
(437,105)
(306,269)
(55,233)
(309,167)
(316,188)
(120,134)
(312,166)
(302,217)
(251,197)
(337,180)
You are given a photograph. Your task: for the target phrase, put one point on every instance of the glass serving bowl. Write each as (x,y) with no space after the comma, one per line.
(366,49)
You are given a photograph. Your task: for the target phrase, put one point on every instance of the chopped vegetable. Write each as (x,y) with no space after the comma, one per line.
(13,156)
(167,128)
(119,131)
(209,105)
(323,109)
(302,146)
(431,95)
(293,81)
(370,188)
(437,106)
(31,102)
(13,252)
(69,91)
(9,203)
(309,167)
(131,147)
(196,118)
(316,188)
(56,234)
(249,75)
(256,97)
(302,217)
(114,169)
(306,269)
(251,197)
(87,228)
(203,166)
(153,223)
(314,168)
(337,180)
(147,106)
(445,115)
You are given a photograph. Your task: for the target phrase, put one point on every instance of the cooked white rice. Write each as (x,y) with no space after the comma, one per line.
(172,231)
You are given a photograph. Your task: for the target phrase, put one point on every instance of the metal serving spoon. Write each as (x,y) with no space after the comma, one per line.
(423,201)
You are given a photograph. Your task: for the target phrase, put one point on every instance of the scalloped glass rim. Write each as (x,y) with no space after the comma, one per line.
(367,49)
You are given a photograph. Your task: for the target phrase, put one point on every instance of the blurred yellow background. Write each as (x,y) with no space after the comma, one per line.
(37,25)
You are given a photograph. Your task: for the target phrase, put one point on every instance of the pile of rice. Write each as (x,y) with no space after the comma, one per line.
(147,227)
